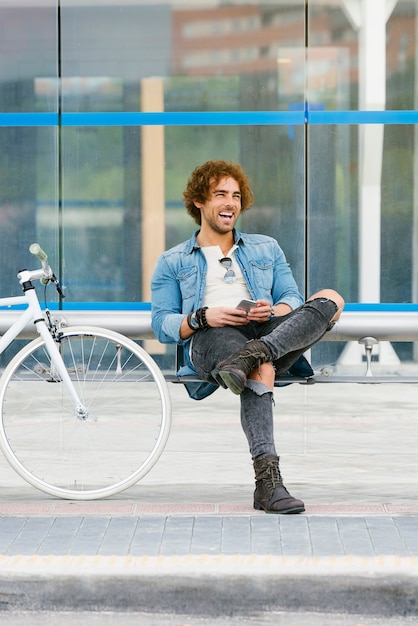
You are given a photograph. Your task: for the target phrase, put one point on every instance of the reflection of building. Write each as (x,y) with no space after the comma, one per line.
(234,39)
(400,40)
(248,39)
(158,39)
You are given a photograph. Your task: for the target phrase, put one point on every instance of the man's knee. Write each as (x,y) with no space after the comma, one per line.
(265,374)
(333,295)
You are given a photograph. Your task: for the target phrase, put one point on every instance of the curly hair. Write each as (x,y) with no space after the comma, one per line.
(203,176)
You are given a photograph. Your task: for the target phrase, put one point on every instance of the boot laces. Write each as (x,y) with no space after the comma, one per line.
(248,357)
(273,477)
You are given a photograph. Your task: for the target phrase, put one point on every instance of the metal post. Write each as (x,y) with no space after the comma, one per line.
(369,17)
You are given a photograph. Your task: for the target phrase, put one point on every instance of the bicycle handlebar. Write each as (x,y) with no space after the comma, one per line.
(44,275)
(36,250)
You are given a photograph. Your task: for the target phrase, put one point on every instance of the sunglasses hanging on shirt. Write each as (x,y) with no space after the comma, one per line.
(226,263)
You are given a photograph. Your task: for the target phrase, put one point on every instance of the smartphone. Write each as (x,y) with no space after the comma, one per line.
(246,305)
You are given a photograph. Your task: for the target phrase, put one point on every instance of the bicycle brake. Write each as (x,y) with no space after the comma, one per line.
(54,326)
(56,282)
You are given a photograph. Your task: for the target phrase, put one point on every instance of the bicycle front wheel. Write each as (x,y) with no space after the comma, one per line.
(102,449)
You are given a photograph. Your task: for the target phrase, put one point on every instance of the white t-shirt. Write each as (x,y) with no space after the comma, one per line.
(218,292)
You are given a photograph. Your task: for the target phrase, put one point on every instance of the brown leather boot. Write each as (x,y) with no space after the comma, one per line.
(270,494)
(233,371)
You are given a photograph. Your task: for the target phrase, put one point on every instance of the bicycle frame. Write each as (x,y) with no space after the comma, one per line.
(70,400)
(34,313)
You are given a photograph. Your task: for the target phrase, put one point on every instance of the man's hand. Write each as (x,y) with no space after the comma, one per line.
(264,311)
(216,317)
(226,316)
(261,312)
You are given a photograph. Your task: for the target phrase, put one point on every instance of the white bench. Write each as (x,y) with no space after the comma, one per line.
(366,324)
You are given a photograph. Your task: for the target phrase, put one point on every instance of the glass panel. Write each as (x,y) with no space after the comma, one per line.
(333,55)
(333,209)
(209,57)
(28,154)
(102,196)
(277,181)
(28,51)
(213,56)
(92,213)
(27,200)
(362,227)
(364,53)
(401,56)
(361,186)
(398,217)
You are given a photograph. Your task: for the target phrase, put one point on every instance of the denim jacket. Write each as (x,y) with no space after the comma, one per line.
(179,281)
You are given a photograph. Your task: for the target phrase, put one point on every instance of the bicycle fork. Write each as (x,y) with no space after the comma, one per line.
(30,296)
(57,362)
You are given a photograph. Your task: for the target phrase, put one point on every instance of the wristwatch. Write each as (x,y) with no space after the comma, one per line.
(192,321)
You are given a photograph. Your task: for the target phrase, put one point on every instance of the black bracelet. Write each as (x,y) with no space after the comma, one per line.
(189,317)
(204,320)
(197,316)
(201,318)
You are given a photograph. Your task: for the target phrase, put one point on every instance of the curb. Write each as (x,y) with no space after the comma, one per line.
(211,585)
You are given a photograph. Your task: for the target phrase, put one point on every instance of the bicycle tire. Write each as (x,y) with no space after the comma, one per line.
(94,456)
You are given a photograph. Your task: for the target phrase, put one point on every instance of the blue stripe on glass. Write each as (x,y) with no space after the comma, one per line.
(362,117)
(88,306)
(28,119)
(381,307)
(106,306)
(211,118)
(195,118)
(350,307)
(359,307)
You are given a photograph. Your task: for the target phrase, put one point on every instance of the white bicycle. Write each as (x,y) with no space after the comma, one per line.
(85,411)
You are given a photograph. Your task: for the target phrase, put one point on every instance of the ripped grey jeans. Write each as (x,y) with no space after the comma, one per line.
(287,337)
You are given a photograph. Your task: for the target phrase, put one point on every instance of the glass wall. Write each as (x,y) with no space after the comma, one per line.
(106,106)
(28,149)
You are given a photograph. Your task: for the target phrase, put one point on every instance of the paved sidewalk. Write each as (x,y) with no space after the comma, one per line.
(187,534)
(149,535)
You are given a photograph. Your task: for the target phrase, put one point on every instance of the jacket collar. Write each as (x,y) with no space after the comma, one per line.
(193,245)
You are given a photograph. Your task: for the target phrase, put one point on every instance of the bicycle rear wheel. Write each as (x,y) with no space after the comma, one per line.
(77,455)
